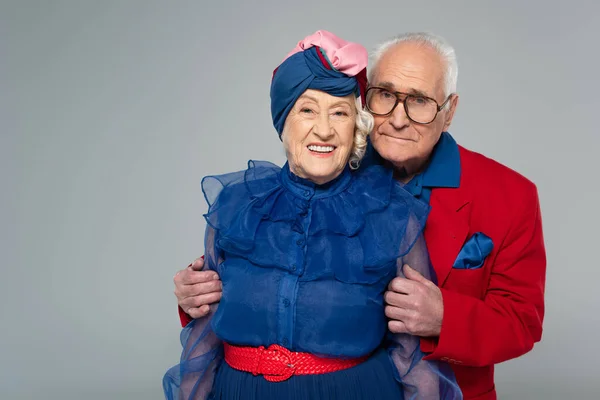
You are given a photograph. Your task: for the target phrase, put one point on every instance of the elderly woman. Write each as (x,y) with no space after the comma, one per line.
(305,253)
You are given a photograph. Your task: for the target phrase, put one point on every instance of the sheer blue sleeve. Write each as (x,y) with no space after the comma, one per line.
(202,351)
(227,196)
(420,379)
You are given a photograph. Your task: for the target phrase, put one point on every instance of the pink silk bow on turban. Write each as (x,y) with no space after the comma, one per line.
(346,57)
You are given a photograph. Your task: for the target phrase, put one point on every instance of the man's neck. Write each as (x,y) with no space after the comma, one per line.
(402,175)
(406,171)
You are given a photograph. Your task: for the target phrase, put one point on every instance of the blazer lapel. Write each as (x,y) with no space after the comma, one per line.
(446,229)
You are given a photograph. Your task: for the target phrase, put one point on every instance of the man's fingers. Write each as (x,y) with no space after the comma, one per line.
(401,285)
(198,301)
(198,312)
(398,300)
(398,313)
(198,264)
(208,299)
(414,275)
(185,291)
(397,327)
(189,277)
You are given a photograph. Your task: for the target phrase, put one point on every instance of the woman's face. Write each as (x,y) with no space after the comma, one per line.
(318,135)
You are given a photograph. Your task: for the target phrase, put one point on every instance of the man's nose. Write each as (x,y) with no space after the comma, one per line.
(398,119)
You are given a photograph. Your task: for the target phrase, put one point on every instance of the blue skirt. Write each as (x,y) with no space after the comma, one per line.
(372,379)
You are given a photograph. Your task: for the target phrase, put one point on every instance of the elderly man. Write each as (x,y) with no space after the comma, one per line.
(484,232)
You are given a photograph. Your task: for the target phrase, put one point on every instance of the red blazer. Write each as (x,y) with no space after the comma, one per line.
(494,313)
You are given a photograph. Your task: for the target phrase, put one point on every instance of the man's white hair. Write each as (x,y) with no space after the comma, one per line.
(437,43)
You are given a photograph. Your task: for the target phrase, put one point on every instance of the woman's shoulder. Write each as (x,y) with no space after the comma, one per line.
(242,185)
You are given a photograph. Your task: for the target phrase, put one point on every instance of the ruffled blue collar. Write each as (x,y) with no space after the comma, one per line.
(256,212)
(307,189)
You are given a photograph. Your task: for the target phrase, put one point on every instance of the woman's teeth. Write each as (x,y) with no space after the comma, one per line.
(321,149)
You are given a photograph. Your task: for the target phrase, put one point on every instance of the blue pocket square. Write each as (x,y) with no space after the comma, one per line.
(474,252)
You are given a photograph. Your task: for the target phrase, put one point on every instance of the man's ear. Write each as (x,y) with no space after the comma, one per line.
(451,111)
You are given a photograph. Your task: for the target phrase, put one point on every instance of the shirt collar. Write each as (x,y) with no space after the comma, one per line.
(443,169)
(306,189)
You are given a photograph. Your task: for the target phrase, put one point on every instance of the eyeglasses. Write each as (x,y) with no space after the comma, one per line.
(419,109)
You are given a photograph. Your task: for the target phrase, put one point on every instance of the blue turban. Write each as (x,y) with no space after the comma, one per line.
(308,69)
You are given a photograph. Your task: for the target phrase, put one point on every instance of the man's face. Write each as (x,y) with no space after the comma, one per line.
(413,69)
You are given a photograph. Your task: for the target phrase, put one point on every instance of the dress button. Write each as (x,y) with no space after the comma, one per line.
(293,267)
(285,342)
(300,242)
(286,302)
(306,193)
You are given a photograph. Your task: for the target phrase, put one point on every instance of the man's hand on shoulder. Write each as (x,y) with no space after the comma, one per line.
(414,305)
(196,290)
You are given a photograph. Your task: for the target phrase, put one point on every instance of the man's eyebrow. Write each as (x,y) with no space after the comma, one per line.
(387,85)
(392,88)
(417,92)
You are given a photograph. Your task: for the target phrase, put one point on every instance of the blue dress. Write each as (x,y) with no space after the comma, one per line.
(305,266)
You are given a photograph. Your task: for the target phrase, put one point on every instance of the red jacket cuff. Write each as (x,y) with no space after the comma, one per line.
(443,347)
(185,319)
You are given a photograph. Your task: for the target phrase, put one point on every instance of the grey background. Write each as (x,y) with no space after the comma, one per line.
(112,111)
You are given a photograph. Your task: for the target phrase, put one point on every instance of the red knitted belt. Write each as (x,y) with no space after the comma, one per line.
(277,363)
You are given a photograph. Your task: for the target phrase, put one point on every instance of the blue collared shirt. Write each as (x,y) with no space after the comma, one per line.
(443,169)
